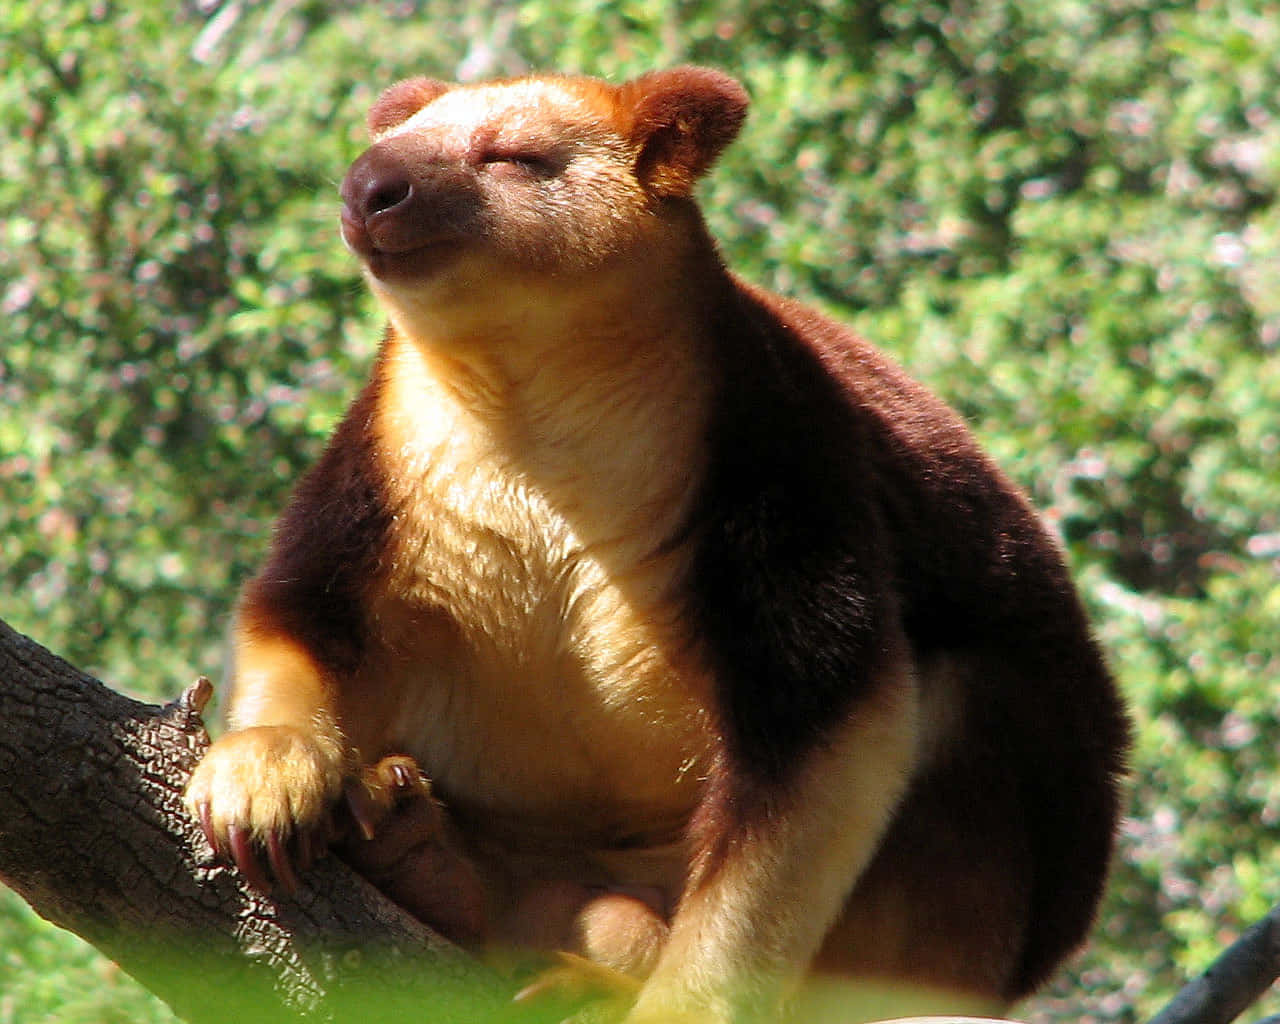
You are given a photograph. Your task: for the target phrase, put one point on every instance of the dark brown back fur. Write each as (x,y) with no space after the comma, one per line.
(842,493)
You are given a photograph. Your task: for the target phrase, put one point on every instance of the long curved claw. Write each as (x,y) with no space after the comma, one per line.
(306,843)
(246,860)
(405,777)
(281,866)
(206,826)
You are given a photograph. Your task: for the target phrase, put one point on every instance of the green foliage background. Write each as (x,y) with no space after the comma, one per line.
(1062,214)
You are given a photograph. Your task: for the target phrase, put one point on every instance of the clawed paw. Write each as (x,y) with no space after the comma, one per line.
(374,791)
(272,799)
(404,843)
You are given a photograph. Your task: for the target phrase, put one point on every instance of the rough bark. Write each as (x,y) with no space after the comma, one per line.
(94,836)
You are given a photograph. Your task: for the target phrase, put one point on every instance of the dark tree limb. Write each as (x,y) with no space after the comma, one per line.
(1233,982)
(94,836)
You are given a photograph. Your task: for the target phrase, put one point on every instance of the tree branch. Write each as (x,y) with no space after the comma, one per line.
(94,836)
(1233,982)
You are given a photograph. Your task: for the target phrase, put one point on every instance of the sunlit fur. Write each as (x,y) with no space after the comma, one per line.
(726,651)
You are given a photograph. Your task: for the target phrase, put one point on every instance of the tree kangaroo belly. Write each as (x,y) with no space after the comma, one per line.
(531,680)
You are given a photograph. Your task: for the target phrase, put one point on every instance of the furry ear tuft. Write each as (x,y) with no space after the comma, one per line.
(401,101)
(680,120)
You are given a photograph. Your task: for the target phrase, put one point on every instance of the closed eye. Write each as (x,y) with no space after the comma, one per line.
(533,162)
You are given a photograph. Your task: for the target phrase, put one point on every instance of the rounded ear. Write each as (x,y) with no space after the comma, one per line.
(401,102)
(680,120)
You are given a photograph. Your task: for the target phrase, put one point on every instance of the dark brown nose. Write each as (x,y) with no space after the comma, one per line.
(398,197)
(376,183)
(377,204)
